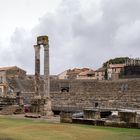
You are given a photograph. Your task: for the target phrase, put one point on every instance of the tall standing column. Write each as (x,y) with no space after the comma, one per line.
(46,71)
(43,40)
(37,69)
(47,106)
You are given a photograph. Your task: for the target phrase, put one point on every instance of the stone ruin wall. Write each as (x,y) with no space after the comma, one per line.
(89,93)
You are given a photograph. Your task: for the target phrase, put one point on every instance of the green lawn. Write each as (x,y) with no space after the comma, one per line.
(15,129)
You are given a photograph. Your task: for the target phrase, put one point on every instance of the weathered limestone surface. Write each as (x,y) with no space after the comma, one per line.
(43,41)
(46,72)
(87,93)
(37,69)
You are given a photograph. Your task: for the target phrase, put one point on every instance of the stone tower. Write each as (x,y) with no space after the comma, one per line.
(43,41)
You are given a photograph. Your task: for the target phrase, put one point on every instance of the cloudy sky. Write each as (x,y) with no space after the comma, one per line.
(82,33)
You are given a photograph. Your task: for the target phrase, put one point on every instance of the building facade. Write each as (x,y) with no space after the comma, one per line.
(100,74)
(114,70)
(9,73)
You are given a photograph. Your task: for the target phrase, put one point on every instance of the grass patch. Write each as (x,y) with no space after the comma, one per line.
(21,129)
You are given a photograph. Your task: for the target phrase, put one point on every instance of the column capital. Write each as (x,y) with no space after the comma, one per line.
(37,46)
(42,40)
(46,46)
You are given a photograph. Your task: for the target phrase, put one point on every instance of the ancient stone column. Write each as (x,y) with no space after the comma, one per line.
(46,72)
(47,106)
(37,69)
(43,40)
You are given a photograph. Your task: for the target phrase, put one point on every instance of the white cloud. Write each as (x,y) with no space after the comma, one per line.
(128,35)
(82,34)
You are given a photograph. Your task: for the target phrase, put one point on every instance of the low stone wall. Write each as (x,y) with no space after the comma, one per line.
(104,123)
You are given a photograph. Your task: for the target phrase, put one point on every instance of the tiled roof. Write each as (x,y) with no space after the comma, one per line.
(85,69)
(88,72)
(75,71)
(91,72)
(8,68)
(116,65)
(101,70)
(84,73)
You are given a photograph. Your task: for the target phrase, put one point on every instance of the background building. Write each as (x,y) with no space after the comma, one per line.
(113,71)
(100,73)
(9,73)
